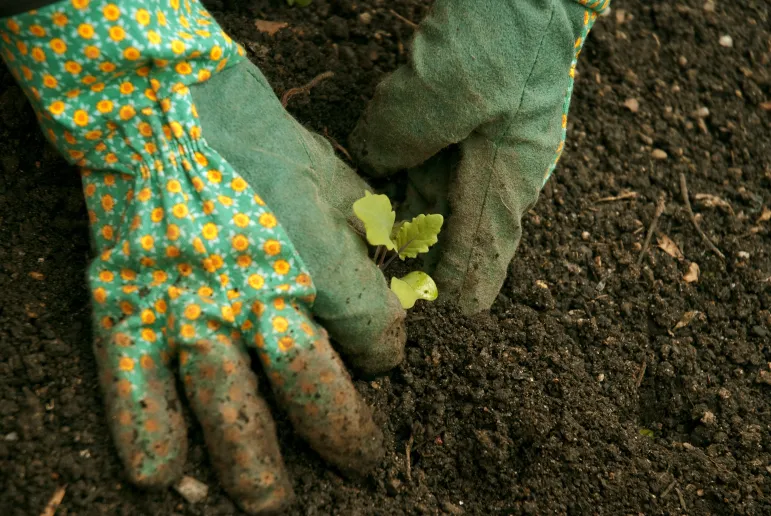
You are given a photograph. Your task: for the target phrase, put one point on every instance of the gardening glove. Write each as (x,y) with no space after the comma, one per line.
(493,79)
(193,267)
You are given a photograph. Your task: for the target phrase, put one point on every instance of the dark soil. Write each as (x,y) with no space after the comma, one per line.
(574,395)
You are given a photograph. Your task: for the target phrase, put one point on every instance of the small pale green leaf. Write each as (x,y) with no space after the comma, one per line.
(378,217)
(647,432)
(417,236)
(404,292)
(422,284)
(415,285)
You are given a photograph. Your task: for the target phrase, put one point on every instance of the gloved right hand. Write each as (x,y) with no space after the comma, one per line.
(493,77)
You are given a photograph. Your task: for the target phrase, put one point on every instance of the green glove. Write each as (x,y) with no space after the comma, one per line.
(495,78)
(193,267)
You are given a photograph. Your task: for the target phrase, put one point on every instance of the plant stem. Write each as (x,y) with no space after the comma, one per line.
(398,252)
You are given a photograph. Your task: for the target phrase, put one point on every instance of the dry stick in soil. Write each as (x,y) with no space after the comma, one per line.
(408,452)
(405,20)
(288,94)
(686,200)
(640,376)
(660,206)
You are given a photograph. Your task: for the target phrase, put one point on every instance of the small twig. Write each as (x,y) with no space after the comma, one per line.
(640,376)
(408,452)
(686,200)
(398,252)
(378,249)
(54,502)
(288,94)
(621,197)
(337,146)
(405,20)
(660,207)
(668,489)
(682,499)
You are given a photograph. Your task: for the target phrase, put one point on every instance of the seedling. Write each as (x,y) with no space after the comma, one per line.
(403,239)
(301,3)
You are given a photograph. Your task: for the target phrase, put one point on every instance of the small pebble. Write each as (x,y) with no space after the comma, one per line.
(191,489)
(585,235)
(724,393)
(365,18)
(13,436)
(632,105)
(708,418)
(709,6)
(744,255)
(659,154)
(702,112)
(726,41)
(682,61)
(600,377)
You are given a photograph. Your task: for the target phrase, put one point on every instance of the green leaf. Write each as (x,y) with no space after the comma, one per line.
(417,236)
(378,218)
(301,3)
(415,285)
(647,432)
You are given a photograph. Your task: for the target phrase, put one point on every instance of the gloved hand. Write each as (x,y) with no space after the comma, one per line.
(193,267)
(493,79)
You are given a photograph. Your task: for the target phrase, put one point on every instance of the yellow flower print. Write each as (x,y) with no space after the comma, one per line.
(145,194)
(73,67)
(132,54)
(128,275)
(49,81)
(98,87)
(126,307)
(145,129)
(143,17)
(58,46)
(37,30)
(21,47)
(94,135)
(147,242)
(279,303)
(272,247)
(280,324)
(256,281)
(80,4)
(203,75)
(192,312)
(241,220)
(27,73)
(268,220)
(107,322)
(38,54)
(92,52)
(153,37)
(127,112)
(80,117)
(159,277)
(281,267)
(227,314)
(238,184)
(214,176)
(59,19)
(285,344)
(258,200)
(208,207)
(183,68)
(240,243)
(117,33)
(56,108)
(161,19)
(90,190)
(173,186)
(225,200)
(244,261)
(86,31)
(172,232)
(180,210)
(148,317)
(303,280)
(205,291)
(100,295)
(160,306)
(150,336)
(108,202)
(216,53)
(177,47)
(111,12)
(185,269)
(201,159)
(210,231)
(106,276)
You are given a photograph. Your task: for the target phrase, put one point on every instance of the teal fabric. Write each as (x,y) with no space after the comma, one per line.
(478,117)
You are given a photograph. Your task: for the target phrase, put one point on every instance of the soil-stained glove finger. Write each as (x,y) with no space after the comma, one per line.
(312,385)
(143,410)
(237,424)
(312,193)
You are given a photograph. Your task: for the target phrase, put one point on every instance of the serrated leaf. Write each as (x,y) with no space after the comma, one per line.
(415,285)
(417,236)
(378,217)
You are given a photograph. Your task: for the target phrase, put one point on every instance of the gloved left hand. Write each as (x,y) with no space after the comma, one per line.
(193,267)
